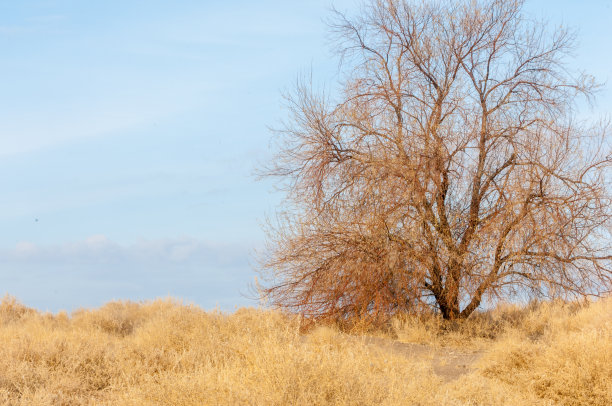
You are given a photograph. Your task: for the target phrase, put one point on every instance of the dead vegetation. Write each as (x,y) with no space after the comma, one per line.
(450,168)
(167,353)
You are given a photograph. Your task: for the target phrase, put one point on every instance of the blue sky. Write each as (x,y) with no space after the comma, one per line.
(129,131)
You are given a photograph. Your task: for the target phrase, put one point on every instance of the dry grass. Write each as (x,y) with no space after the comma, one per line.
(545,353)
(166,353)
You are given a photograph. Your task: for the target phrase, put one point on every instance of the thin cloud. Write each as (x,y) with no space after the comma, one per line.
(96,269)
(100,249)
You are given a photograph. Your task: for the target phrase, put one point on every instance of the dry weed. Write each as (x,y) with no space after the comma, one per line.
(167,353)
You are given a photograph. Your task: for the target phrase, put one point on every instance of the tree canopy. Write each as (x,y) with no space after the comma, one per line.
(449,168)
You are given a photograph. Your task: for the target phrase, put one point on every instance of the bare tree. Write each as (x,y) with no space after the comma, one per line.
(450,168)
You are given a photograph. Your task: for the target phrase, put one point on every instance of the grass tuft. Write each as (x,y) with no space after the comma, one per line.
(163,352)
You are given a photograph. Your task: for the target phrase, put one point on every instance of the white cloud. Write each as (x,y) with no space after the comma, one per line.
(96,240)
(25,249)
(99,249)
(95,270)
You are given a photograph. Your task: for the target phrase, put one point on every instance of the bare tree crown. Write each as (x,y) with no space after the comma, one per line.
(451,167)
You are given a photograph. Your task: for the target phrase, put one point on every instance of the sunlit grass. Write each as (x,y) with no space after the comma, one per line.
(167,353)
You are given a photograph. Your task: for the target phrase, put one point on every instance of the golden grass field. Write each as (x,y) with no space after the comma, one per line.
(167,353)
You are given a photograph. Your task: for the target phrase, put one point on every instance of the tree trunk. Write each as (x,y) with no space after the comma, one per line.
(449,307)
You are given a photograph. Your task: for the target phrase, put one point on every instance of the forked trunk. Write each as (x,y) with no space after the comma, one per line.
(448,165)
(449,307)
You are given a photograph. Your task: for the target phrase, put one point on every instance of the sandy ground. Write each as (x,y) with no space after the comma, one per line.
(448,363)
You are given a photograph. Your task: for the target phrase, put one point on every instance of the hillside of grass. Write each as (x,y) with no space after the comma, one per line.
(166,353)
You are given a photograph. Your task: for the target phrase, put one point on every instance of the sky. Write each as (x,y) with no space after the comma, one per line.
(130,130)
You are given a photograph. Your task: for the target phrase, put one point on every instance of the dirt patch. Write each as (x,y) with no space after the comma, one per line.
(448,363)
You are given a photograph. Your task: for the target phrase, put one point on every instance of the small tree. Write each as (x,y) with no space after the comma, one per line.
(450,168)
